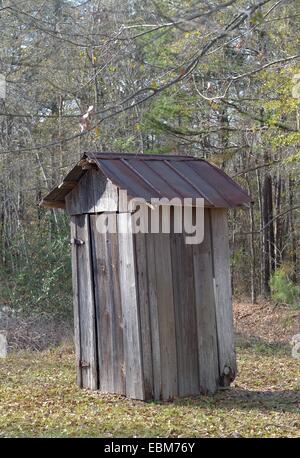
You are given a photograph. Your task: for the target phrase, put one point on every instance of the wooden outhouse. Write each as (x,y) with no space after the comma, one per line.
(153,315)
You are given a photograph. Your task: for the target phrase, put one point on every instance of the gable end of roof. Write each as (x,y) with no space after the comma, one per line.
(155,176)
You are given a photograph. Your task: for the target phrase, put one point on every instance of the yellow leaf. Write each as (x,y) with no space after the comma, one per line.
(153,84)
(97,132)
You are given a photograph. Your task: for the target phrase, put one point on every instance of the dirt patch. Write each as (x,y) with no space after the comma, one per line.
(272,324)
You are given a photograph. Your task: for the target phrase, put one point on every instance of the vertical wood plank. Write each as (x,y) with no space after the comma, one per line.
(166,316)
(224,315)
(76,311)
(104,305)
(154,316)
(143,303)
(105,193)
(86,303)
(205,312)
(73,202)
(185,316)
(86,192)
(118,361)
(108,310)
(81,199)
(128,287)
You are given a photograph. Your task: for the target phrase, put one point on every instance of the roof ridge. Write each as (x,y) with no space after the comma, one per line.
(148,156)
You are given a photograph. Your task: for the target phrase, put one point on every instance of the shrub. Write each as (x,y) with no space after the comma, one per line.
(283,290)
(37,280)
(36,286)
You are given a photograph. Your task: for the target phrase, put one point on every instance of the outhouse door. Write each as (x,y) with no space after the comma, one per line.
(98,318)
(84,304)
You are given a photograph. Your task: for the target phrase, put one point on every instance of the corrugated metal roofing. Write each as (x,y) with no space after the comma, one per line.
(152,175)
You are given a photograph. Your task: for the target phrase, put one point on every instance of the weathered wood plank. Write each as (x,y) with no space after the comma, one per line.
(86,192)
(132,332)
(104,306)
(73,202)
(86,304)
(185,316)
(143,303)
(118,360)
(105,192)
(166,316)
(108,310)
(224,316)
(205,312)
(154,317)
(76,309)
(93,193)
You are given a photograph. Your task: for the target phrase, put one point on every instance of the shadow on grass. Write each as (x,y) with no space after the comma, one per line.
(237,398)
(281,400)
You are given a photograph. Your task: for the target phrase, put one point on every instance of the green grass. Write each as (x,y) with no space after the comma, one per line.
(39,398)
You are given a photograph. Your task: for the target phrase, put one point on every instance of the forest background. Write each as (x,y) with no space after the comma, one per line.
(218,80)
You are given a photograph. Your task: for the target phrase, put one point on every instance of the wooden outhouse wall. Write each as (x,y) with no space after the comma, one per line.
(94,194)
(184,298)
(153,317)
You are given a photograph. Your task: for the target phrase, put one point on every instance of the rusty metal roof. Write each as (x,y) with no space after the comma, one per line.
(152,175)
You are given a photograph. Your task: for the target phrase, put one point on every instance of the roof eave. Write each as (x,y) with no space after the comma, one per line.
(52,203)
(66,185)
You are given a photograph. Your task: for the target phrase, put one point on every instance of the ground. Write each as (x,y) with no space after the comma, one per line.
(39,397)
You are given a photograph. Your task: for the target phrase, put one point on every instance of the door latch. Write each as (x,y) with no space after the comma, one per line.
(77,242)
(84,364)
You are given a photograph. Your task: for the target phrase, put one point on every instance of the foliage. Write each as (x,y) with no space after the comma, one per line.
(39,279)
(283,290)
(235,107)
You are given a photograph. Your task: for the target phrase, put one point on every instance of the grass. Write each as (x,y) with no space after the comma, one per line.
(39,398)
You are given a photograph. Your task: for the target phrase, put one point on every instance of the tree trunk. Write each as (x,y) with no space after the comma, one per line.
(292,228)
(252,245)
(268,233)
(278,224)
(261,234)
